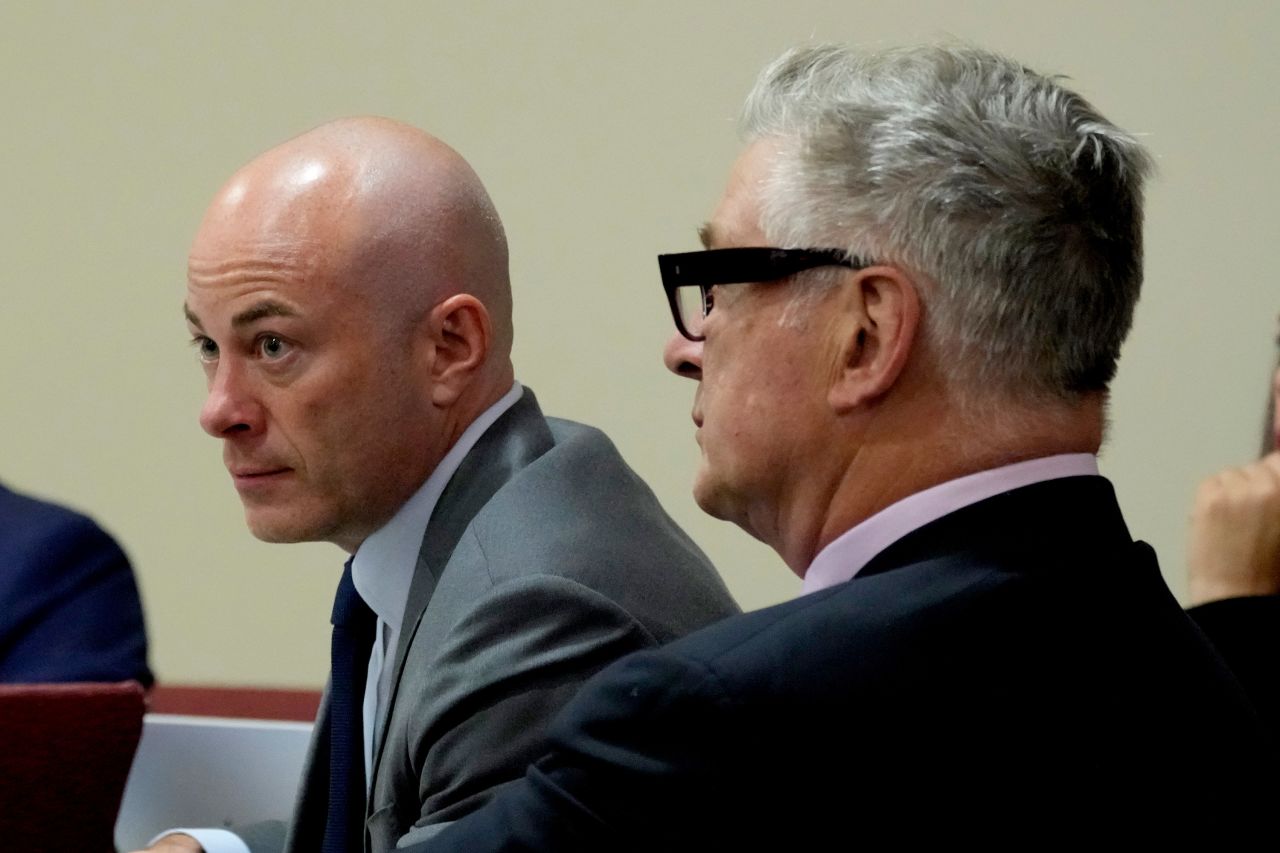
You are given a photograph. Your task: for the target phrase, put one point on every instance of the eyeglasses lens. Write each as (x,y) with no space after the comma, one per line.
(693,307)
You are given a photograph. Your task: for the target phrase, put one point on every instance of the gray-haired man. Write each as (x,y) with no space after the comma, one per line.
(911,303)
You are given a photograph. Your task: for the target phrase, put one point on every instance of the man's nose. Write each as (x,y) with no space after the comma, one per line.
(683,357)
(229,408)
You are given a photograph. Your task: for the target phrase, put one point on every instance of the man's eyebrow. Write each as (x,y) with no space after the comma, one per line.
(706,234)
(263,309)
(249,316)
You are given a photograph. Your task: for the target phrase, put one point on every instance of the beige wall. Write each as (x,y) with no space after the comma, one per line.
(604,132)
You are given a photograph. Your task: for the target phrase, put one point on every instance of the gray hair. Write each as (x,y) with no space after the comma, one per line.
(1012,196)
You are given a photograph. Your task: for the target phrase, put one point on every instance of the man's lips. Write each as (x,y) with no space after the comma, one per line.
(257,471)
(248,477)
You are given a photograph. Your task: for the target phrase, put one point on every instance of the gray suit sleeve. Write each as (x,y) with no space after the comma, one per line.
(265,837)
(507,666)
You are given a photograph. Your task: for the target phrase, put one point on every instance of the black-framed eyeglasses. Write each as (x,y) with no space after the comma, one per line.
(688,277)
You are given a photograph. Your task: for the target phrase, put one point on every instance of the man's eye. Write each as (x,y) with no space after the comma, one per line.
(273,347)
(206,349)
(708,300)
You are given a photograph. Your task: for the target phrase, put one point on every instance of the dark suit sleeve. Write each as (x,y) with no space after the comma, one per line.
(73,612)
(1246,632)
(636,758)
(508,666)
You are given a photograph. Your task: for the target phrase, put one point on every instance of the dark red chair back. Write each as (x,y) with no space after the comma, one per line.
(65,752)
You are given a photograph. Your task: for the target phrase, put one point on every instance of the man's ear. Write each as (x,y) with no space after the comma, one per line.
(883,311)
(460,335)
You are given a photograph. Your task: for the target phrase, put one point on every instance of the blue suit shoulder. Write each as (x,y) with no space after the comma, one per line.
(71,607)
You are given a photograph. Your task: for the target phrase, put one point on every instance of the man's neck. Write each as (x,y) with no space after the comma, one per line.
(905,452)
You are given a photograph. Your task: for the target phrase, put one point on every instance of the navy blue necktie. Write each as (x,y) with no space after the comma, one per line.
(353,626)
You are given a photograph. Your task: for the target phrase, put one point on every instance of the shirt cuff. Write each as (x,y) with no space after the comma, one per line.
(212,840)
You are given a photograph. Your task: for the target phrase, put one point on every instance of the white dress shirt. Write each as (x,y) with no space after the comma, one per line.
(382,570)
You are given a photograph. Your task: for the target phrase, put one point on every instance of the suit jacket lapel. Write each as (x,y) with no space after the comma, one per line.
(516,439)
(306,831)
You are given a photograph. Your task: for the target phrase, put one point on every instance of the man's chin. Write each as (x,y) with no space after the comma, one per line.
(281,531)
(709,496)
(719,502)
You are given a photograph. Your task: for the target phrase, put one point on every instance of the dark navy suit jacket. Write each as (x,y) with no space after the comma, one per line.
(69,607)
(1246,631)
(1016,672)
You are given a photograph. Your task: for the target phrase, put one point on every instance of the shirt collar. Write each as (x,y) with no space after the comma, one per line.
(383,566)
(848,553)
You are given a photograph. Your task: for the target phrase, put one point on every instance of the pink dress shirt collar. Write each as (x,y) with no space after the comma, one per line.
(848,553)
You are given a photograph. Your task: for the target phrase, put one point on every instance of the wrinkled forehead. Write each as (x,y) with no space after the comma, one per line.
(264,259)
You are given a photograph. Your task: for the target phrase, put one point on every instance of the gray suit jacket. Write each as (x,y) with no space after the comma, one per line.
(546,558)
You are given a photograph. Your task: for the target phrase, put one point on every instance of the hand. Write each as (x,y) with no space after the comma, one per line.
(1235,533)
(176,843)
(1275,410)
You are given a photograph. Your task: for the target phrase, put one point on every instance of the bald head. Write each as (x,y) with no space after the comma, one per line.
(397,215)
(348,298)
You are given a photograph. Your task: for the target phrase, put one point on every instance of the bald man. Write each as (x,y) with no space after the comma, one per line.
(349,300)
